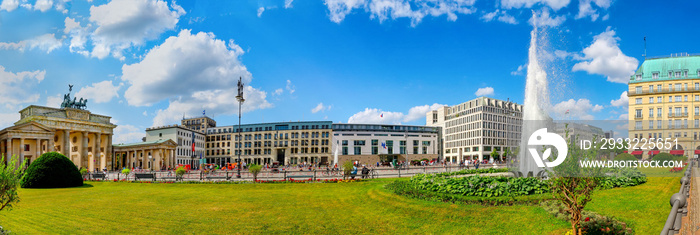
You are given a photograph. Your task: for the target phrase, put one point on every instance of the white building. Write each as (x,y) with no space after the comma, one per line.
(183,137)
(473,129)
(371,143)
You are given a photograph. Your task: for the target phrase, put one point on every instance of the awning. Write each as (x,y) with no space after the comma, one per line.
(677,152)
(625,151)
(697,151)
(637,152)
(654,152)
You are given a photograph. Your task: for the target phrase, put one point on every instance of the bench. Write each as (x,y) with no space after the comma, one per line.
(300,176)
(174,178)
(98,176)
(145,176)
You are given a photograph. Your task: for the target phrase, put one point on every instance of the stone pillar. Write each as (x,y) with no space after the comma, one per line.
(8,146)
(38,148)
(66,145)
(84,159)
(108,151)
(21,151)
(50,145)
(97,152)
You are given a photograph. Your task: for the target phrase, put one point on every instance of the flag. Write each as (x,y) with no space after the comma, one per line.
(567,112)
(384,145)
(193,142)
(204,112)
(381,115)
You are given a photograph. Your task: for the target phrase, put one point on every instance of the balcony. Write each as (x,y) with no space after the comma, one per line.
(678,114)
(638,117)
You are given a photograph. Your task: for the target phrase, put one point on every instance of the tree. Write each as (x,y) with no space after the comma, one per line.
(179,172)
(255,170)
(10,175)
(347,169)
(572,184)
(506,153)
(494,154)
(126,173)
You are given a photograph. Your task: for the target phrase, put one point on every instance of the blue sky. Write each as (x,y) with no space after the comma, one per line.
(147,63)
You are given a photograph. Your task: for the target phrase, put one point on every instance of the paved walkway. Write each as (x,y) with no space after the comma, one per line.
(691,223)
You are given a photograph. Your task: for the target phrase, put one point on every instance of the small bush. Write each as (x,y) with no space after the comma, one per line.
(126,172)
(255,170)
(179,172)
(52,170)
(591,222)
(625,157)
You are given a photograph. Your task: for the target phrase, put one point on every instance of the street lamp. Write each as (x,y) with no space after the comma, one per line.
(240,99)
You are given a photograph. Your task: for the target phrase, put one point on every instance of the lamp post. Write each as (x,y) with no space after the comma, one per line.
(240,99)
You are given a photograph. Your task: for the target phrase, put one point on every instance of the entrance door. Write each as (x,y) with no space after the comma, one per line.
(280,156)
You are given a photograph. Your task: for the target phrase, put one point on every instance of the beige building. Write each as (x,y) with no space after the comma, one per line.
(85,138)
(154,155)
(186,141)
(284,142)
(200,124)
(473,129)
(664,103)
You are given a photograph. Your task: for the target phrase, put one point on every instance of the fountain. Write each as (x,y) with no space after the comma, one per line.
(534,108)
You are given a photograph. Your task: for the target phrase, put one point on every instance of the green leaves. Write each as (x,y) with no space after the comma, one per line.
(10,175)
(481,186)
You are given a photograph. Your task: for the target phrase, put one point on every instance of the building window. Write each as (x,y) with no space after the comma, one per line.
(651,112)
(651,124)
(658,88)
(655,76)
(639,77)
(358,150)
(658,112)
(659,99)
(638,101)
(678,98)
(678,74)
(638,90)
(638,113)
(651,100)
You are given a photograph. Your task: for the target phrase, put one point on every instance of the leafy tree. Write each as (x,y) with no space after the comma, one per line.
(347,168)
(572,184)
(494,154)
(10,175)
(255,170)
(83,172)
(179,172)
(506,154)
(126,172)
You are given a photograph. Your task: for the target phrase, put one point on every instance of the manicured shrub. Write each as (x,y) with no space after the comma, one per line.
(52,170)
(625,157)
(255,170)
(668,157)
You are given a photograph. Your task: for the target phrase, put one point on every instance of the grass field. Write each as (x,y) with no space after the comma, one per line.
(364,207)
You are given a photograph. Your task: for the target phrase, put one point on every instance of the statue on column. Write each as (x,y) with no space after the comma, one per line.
(75,103)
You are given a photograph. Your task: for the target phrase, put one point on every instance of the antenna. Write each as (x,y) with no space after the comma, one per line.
(645,47)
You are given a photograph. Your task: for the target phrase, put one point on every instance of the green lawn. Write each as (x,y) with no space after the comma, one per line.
(364,207)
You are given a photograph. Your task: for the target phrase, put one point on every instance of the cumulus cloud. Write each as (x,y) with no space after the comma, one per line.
(499,15)
(378,116)
(581,108)
(604,57)
(586,8)
(124,134)
(54,101)
(484,91)
(279,91)
(320,107)
(415,10)
(542,18)
(15,87)
(623,101)
(554,4)
(194,72)
(78,36)
(9,5)
(47,42)
(260,11)
(43,5)
(100,92)
(125,23)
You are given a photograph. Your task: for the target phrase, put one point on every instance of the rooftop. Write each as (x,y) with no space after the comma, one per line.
(658,68)
(142,143)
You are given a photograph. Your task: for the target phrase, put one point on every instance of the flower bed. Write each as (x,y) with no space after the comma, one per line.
(473,171)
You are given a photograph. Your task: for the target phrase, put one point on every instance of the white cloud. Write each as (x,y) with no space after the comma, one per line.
(124,134)
(624,116)
(260,11)
(194,72)
(415,10)
(320,107)
(580,108)
(8,119)
(377,116)
(418,112)
(623,101)
(554,4)
(499,15)
(520,70)
(586,9)
(604,57)
(78,36)
(542,18)
(47,42)
(125,23)
(15,88)
(288,3)
(54,101)
(279,91)
(43,5)
(484,91)
(100,92)
(290,87)
(145,113)
(9,5)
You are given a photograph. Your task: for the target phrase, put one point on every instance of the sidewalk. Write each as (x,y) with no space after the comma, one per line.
(691,223)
